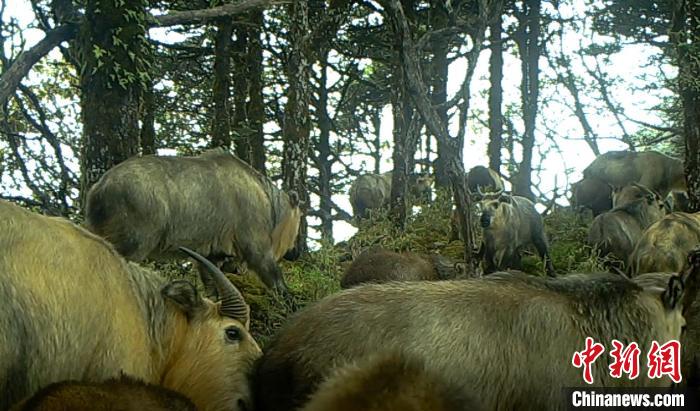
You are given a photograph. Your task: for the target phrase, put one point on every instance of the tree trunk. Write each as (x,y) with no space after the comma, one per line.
(495,95)
(685,35)
(221,126)
(239,56)
(111,83)
(148,119)
(296,114)
(527,40)
(324,162)
(440,46)
(256,103)
(400,155)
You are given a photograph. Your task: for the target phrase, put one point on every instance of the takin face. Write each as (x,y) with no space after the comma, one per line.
(377,265)
(511,223)
(630,193)
(214,204)
(81,312)
(387,383)
(124,394)
(445,325)
(663,246)
(652,169)
(615,233)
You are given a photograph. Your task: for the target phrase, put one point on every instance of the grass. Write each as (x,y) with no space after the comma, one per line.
(318,273)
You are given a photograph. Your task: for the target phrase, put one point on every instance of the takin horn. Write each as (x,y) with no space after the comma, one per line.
(232,303)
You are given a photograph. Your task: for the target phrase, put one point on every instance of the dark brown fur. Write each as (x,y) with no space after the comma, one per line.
(615,233)
(387,383)
(593,194)
(506,339)
(378,265)
(484,179)
(373,191)
(122,394)
(652,169)
(510,224)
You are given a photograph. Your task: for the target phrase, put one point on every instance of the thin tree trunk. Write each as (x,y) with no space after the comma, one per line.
(148,119)
(296,115)
(400,155)
(440,46)
(221,126)
(528,43)
(109,98)
(324,153)
(256,103)
(239,57)
(495,95)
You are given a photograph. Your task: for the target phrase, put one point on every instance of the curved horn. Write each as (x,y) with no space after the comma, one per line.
(232,303)
(478,191)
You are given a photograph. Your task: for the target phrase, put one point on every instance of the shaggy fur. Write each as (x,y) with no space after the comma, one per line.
(214,204)
(387,383)
(373,191)
(483,178)
(122,394)
(378,265)
(630,193)
(664,246)
(507,339)
(593,194)
(73,309)
(657,171)
(616,232)
(510,224)
(690,340)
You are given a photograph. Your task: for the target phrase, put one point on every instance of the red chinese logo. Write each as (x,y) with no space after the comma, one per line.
(586,358)
(665,360)
(625,360)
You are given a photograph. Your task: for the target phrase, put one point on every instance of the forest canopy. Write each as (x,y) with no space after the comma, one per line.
(314,93)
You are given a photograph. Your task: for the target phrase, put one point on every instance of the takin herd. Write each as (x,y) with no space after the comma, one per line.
(83,326)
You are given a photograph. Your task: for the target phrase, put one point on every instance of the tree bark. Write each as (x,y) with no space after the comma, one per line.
(296,125)
(527,40)
(148,119)
(256,103)
(685,35)
(204,15)
(401,111)
(495,95)
(110,85)
(323,160)
(240,94)
(440,46)
(221,121)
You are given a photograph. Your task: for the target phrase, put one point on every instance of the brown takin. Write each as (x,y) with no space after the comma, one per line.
(652,169)
(377,265)
(468,332)
(592,194)
(690,340)
(373,191)
(663,247)
(387,382)
(214,204)
(511,223)
(118,394)
(73,309)
(614,234)
(483,179)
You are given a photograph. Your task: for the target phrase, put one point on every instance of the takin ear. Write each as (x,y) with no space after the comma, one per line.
(673,294)
(183,294)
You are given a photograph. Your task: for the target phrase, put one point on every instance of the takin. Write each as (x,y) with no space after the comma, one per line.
(214,204)
(468,332)
(117,394)
(373,191)
(387,382)
(690,339)
(592,194)
(652,169)
(484,179)
(73,309)
(615,233)
(510,223)
(377,265)
(663,246)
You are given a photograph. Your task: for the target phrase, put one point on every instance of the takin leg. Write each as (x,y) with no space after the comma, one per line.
(542,249)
